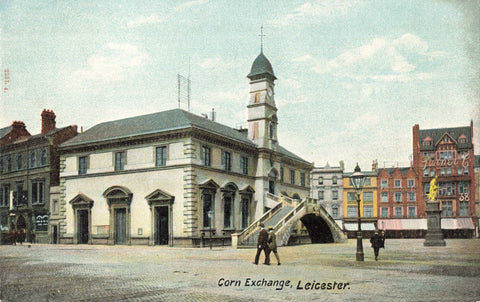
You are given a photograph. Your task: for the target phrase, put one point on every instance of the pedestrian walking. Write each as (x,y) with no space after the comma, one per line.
(272,244)
(377,242)
(262,245)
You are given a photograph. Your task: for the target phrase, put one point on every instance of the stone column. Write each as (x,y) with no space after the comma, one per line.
(434,236)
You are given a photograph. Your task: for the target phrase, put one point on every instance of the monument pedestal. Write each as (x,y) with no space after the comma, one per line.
(434,236)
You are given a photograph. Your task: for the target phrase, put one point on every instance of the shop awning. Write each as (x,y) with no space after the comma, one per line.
(367,226)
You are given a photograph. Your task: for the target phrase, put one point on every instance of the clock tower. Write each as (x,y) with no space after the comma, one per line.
(262,111)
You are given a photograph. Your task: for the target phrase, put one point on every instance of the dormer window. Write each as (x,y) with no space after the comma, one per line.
(427,142)
(462,139)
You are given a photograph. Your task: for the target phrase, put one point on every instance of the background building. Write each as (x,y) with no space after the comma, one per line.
(368,203)
(29,165)
(326,185)
(447,153)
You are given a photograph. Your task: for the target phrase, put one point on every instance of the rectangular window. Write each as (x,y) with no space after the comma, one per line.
(227,161)
(447,209)
(1,165)
(207,210)
(281,174)
(33,159)
(352,211)
(9,163)
(367,211)
(398,196)
(292,177)
(4,196)
(161,156)
(244,164)
(334,212)
(384,184)
(334,180)
(384,212)
(255,130)
(411,196)
(335,195)
(384,197)
(449,171)
(119,161)
(398,183)
(38,192)
(82,165)
(368,181)
(302,179)
(463,187)
(464,207)
(426,189)
(446,189)
(320,195)
(459,170)
(43,157)
(398,212)
(227,212)
(411,183)
(425,172)
(412,212)
(351,196)
(206,154)
(367,196)
(432,172)
(19,161)
(320,180)
(20,196)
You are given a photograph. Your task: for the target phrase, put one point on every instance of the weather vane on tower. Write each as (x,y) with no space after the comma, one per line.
(261,38)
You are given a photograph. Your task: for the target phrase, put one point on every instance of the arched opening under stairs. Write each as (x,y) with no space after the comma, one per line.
(317,228)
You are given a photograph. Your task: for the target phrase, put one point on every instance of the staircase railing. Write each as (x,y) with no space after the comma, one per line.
(253,227)
(283,228)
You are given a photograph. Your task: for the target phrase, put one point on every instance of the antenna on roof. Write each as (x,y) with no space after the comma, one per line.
(184,89)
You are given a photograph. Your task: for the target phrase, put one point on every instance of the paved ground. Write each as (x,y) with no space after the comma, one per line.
(406,271)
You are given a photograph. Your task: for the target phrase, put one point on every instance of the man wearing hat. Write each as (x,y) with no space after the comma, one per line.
(377,242)
(262,245)
(272,244)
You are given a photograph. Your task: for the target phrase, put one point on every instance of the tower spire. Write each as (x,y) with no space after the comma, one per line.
(261,38)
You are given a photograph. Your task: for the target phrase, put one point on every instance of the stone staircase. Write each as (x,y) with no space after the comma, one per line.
(284,218)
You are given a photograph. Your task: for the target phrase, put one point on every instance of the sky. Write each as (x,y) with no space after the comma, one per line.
(354,76)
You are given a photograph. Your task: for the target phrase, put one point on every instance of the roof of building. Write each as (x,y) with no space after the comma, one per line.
(261,66)
(174,119)
(437,134)
(403,170)
(4,131)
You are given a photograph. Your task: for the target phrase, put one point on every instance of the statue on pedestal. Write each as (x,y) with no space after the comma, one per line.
(432,195)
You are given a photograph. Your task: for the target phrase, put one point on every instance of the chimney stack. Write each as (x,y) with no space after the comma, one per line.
(48,121)
(18,125)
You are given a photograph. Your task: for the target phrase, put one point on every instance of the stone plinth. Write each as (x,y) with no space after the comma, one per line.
(434,236)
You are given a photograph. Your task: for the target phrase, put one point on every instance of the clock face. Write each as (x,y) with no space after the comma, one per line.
(270,91)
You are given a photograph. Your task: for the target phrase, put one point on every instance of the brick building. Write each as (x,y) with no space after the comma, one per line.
(447,153)
(29,165)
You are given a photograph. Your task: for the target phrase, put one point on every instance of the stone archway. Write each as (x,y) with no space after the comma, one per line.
(317,228)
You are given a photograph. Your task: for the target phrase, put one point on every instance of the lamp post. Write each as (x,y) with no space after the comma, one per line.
(358,180)
(210,215)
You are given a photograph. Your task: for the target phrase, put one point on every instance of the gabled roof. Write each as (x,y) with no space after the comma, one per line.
(437,134)
(174,119)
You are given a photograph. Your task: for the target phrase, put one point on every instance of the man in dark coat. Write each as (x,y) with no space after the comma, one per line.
(262,245)
(377,243)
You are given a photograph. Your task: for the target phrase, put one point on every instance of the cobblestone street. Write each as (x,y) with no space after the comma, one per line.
(406,271)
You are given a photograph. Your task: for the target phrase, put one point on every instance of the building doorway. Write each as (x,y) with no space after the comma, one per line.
(54,234)
(82,227)
(120,226)
(161,225)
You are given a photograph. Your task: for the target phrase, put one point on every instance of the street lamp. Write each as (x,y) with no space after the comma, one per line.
(210,216)
(358,180)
